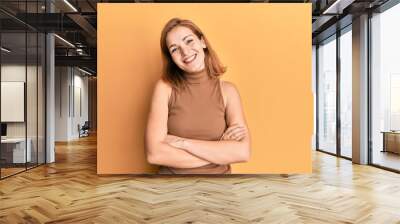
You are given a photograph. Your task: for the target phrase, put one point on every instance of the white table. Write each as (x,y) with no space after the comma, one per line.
(19,155)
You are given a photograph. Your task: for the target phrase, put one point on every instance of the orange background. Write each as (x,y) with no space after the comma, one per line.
(267,49)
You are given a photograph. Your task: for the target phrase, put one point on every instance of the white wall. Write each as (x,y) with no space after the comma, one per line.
(62,80)
(71,87)
(80,84)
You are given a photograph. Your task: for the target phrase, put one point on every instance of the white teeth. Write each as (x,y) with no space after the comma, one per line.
(190,59)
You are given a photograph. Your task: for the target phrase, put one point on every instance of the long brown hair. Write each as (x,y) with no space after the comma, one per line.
(172,73)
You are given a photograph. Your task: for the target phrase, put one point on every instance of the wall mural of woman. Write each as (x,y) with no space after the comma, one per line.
(196,123)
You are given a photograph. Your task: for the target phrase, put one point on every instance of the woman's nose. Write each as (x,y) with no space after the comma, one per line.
(185,51)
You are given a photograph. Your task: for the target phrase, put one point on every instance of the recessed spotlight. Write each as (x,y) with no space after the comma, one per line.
(84,71)
(71,6)
(5,50)
(64,40)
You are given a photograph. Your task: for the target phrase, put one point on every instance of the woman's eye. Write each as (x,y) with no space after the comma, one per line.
(189,41)
(173,50)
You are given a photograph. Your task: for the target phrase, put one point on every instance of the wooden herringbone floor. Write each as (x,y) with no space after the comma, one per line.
(69,191)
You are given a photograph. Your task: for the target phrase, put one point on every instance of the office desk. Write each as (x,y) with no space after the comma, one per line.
(391,141)
(13,150)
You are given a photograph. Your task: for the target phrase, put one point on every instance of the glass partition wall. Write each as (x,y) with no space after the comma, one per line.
(385,89)
(334,80)
(13,90)
(327,95)
(345,62)
(22,88)
(334,101)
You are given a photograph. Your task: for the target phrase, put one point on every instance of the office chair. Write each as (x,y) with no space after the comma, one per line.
(84,130)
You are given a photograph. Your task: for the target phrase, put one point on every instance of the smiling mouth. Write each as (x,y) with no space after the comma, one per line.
(190,59)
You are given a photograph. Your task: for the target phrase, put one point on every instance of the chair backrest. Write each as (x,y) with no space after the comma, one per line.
(86,124)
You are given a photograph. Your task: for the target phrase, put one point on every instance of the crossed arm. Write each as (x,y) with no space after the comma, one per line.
(174,151)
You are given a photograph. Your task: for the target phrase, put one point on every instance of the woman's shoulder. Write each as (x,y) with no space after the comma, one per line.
(228,84)
(163,89)
(229,91)
(228,87)
(163,86)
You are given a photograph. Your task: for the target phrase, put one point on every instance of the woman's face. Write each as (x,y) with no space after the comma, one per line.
(186,49)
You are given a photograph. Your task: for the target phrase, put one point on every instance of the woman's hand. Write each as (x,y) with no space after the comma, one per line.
(235,132)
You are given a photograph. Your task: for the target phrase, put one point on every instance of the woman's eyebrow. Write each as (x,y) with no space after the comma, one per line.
(172,45)
(186,37)
(182,39)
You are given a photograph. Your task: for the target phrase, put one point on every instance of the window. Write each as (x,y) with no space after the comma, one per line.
(385,88)
(327,95)
(346,93)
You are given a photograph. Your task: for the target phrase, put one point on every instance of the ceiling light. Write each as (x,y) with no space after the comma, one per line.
(5,50)
(337,7)
(64,40)
(84,71)
(70,5)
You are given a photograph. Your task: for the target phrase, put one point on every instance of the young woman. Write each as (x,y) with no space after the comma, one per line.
(196,123)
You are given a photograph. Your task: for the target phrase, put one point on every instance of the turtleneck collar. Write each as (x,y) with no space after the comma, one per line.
(198,77)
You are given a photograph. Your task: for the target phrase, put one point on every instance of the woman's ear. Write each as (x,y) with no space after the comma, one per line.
(203,43)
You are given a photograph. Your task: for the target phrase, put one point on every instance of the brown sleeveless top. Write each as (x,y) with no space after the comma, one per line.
(197,112)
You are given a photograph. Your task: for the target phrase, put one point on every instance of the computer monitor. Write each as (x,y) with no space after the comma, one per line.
(3,129)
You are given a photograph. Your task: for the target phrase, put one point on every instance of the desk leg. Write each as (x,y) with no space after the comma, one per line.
(384,142)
